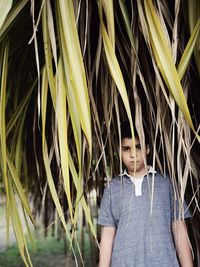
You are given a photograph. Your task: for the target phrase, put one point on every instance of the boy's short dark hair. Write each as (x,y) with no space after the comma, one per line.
(126,132)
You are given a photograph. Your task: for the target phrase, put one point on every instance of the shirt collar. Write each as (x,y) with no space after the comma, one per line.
(149,167)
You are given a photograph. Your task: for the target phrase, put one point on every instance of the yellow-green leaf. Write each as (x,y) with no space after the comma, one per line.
(185,59)
(62,138)
(18,229)
(86,209)
(108,7)
(5,6)
(116,72)
(78,80)
(165,61)
(48,55)
(12,15)
(19,187)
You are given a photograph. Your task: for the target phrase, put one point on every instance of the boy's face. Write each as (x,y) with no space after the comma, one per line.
(133,157)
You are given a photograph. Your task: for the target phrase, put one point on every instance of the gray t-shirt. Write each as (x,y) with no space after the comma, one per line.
(143,235)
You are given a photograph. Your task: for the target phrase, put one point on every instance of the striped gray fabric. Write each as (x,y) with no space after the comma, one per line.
(143,238)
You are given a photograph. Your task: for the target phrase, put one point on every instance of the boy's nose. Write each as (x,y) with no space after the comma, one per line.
(133,153)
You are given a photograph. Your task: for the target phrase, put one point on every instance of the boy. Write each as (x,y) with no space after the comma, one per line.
(139,224)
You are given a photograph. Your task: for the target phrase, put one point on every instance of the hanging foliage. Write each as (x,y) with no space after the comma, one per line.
(70,73)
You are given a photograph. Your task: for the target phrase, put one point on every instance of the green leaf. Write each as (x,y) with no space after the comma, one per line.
(75,65)
(185,59)
(165,61)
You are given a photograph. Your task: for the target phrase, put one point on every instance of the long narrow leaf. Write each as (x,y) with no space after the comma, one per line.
(165,61)
(18,229)
(185,59)
(76,64)
(63,144)
(108,7)
(12,16)
(116,73)
(48,55)
(19,188)
(5,6)
(82,199)
(45,154)
(194,15)
(3,131)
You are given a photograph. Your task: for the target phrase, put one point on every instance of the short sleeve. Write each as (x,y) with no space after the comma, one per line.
(105,213)
(179,211)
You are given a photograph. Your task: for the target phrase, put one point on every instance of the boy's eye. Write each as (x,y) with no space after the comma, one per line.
(125,148)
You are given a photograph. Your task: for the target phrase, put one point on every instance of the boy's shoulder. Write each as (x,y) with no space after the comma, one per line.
(115,184)
(162,179)
(115,181)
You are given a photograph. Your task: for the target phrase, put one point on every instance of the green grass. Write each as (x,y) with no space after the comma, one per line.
(43,253)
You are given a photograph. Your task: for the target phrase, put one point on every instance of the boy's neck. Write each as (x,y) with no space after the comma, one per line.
(138,173)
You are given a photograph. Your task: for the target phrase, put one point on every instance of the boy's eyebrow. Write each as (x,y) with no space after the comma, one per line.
(138,145)
(127,146)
